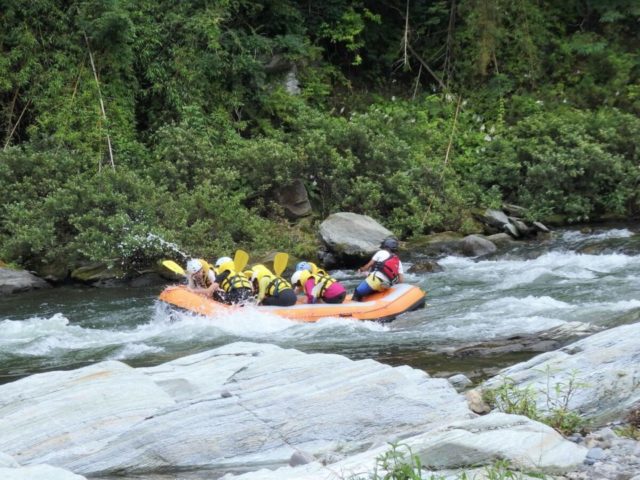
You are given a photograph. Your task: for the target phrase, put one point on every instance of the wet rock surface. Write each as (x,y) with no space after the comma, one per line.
(15,281)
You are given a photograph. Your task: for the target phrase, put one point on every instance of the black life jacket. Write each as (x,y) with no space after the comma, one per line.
(389,267)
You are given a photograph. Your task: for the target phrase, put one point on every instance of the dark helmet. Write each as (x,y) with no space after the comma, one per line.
(390,244)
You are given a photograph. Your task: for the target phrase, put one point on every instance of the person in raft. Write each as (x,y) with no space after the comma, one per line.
(312,267)
(235,288)
(385,270)
(272,289)
(318,286)
(201,277)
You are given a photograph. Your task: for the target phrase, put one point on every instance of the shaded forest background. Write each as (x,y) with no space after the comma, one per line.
(129,123)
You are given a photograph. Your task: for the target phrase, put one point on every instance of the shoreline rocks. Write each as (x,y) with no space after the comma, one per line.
(16,281)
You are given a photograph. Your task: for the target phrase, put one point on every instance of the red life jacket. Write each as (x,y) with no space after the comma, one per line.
(389,267)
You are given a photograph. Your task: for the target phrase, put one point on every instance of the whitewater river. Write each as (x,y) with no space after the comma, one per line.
(592,278)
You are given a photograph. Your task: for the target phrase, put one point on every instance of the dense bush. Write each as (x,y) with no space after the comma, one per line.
(415,117)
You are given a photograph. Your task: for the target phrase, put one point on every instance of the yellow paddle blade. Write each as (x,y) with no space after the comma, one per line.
(280,262)
(174,267)
(240,260)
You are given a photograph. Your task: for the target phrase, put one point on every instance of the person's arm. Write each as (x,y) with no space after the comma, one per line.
(308,290)
(366,267)
(400,273)
(263,284)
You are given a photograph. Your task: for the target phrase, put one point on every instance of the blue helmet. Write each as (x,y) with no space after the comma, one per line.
(303,266)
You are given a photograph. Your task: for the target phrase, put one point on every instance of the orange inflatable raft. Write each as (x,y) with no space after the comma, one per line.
(382,307)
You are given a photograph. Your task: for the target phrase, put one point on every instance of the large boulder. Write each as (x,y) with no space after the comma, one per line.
(294,199)
(38,472)
(238,405)
(602,371)
(14,281)
(475,246)
(352,235)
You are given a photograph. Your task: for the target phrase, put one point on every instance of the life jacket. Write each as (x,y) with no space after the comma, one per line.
(276,285)
(235,280)
(389,267)
(322,283)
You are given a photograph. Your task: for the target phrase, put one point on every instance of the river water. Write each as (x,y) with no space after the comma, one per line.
(593,278)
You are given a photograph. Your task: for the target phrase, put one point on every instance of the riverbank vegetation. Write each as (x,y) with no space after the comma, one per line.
(128,125)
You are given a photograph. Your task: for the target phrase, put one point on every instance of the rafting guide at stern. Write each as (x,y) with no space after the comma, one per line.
(385,270)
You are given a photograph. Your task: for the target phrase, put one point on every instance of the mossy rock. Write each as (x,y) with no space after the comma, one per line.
(57,271)
(422,241)
(97,272)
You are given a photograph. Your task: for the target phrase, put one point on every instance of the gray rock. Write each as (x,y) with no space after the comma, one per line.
(459,381)
(501,239)
(521,227)
(111,418)
(426,266)
(8,461)
(475,245)
(14,281)
(347,233)
(300,458)
(541,227)
(603,368)
(595,453)
(511,230)
(38,472)
(291,83)
(294,199)
(496,218)
(525,444)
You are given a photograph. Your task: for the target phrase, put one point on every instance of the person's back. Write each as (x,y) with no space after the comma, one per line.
(272,289)
(235,287)
(318,287)
(385,269)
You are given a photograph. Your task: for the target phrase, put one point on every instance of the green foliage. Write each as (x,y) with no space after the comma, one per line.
(400,463)
(508,397)
(204,132)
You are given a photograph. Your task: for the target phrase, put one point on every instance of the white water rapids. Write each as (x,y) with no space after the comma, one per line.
(528,289)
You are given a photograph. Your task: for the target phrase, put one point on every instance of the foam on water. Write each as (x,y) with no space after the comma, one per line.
(471,300)
(577,236)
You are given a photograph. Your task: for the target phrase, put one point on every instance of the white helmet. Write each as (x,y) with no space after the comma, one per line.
(222,260)
(295,278)
(194,266)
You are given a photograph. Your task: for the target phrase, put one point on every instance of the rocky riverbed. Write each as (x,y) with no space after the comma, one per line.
(280,413)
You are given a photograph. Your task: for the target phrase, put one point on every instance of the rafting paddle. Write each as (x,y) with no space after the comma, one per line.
(174,267)
(240,260)
(280,262)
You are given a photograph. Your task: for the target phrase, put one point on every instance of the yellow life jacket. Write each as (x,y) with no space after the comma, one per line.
(235,280)
(323,281)
(276,285)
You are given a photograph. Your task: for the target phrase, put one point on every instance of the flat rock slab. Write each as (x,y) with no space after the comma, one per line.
(459,446)
(243,405)
(38,472)
(604,369)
